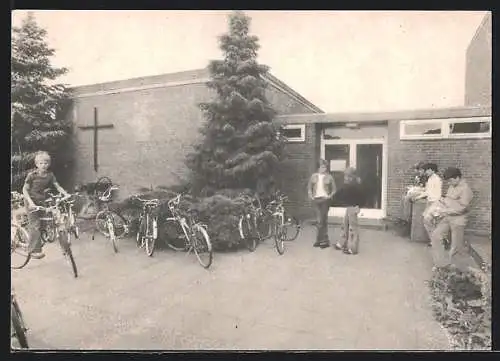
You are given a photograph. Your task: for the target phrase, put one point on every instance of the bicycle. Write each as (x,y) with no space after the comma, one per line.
(19,237)
(111,224)
(53,225)
(70,218)
(292,225)
(147,232)
(17,324)
(283,228)
(93,192)
(259,223)
(192,234)
(249,224)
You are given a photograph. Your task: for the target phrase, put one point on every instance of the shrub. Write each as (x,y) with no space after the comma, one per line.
(221,212)
(462,304)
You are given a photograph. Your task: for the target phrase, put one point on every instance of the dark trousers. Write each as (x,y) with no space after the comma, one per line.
(322,206)
(34,230)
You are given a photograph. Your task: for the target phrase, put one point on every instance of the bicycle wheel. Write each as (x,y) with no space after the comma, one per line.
(245,227)
(140,232)
(173,235)
(19,247)
(202,246)
(279,237)
(120,224)
(150,235)
(73,228)
(111,233)
(67,252)
(292,228)
(264,227)
(18,326)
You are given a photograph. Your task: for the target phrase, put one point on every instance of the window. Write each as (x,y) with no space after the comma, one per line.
(294,132)
(477,127)
(470,127)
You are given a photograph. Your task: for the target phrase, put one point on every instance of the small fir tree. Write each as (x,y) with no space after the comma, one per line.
(241,147)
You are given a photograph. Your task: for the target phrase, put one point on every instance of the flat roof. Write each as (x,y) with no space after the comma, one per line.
(435,113)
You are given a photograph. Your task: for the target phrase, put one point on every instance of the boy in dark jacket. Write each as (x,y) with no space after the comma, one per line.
(351,196)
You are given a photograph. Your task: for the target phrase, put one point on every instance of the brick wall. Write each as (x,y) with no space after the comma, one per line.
(295,171)
(283,103)
(479,65)
(472,156)
(154,130)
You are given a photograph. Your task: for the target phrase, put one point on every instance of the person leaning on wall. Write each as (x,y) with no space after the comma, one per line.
(320,189)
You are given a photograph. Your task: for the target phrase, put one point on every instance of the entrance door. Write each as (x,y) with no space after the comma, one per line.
(368,157)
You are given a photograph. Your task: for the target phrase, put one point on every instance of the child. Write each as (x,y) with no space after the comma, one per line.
(35,185)
(351,195)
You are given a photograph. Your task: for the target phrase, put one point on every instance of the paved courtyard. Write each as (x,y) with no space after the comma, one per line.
(307,299)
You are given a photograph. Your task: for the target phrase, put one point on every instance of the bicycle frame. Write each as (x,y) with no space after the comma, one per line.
(53,220)
(186,229)
(147,212)
(186,223)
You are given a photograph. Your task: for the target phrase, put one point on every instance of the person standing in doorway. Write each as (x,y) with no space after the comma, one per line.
(433,191)
(352,196)
(320,189)
(452,213)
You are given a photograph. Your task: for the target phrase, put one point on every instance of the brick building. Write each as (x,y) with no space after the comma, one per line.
(149,125)
(478,70)
(383,146)
(156,119)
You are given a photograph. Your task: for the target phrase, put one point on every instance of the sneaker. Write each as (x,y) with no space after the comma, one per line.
(348,251)
(316,244)
(37,255)
(324,245)
(338,247)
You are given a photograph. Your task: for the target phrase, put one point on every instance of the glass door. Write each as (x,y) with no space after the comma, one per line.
(367,156)
(338,158)
(369,167)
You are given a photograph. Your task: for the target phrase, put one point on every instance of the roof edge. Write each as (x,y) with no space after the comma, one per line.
(485,19)
(433,113)
(280,84)
(197,76)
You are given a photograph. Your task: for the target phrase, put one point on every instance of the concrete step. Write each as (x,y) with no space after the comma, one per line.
(363,222)
(482,246)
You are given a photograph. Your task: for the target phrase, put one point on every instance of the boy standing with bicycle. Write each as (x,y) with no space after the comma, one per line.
(36,184)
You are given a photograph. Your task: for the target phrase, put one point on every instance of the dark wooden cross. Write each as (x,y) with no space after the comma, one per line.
(96,128)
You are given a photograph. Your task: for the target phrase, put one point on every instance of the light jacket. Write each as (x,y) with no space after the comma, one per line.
(329,183)
(458,200)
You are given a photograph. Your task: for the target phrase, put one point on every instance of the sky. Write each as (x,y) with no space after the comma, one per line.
(342,61)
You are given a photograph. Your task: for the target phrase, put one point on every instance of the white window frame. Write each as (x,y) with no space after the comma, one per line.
(445,129)
(302,128)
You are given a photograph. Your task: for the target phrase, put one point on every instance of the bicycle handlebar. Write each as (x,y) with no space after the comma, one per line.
(175,200)
(58,200)
(153,201)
